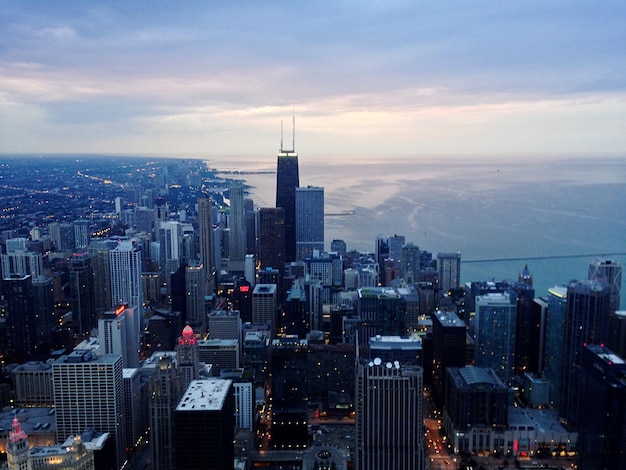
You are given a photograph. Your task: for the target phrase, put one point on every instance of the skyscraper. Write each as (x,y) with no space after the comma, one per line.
(608,272)
(237,242)
(204,423)
(271,238)
(114,329)
(496,317)
(20,313)
(18,449)
(89,393)
(309,221)
(555,327)
(586,321)
(126,285)
(449,271)
(389,416)
(206,237)
(287,180)
(82,234)
(82,294)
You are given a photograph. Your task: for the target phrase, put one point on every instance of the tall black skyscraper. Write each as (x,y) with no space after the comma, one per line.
(287,180)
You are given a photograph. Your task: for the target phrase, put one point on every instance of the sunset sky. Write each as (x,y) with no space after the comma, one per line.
(202,78)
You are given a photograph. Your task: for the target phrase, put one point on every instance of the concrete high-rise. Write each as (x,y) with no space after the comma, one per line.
(389,416)
(20,313)
(126,285)
(114,330)
(206,237)
(553,356)
(287,180)
(88,392)
(264,303)
(309,221)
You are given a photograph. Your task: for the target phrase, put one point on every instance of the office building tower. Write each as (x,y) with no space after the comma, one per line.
(449,265)
(43,305)
(195,295)
(271,245)
(18,450)
(135,423)
(100,262)
(406,350)
(243,387)
(82,234)
(586,321)
(395,244)
(250,223)
(143,219)
(617,333)
(165,392)
(526,337)
(206,239)
(169,233)
(114,329)
(126,286)
(389,416)
(476,410)
(21,322)
(380,312)
(62,236)
(22,262)
(220,353)
(309,221)
(287,180)
(16,244)
(555,329)
(237,240)
(608,272)
(264,303)
(88,392)
(187,354)
(526,277)
(204,423)
(539,312)
(82,295)
(32,384)
(161,212)
(449,338)
(410,263)
(289,393)
(339,247)
(225,324)
(494,333)
(602,441)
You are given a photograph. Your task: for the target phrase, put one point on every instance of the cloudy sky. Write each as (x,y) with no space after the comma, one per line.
(202,78)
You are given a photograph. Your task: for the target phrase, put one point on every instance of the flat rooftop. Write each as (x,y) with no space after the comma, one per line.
(204,395)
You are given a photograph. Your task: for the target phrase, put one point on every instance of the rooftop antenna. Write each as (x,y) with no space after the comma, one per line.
(293,142)
(281,136)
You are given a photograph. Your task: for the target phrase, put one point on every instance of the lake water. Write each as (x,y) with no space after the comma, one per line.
(488,209)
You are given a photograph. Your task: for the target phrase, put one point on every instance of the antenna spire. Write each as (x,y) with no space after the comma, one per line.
(281,135)
(293,142)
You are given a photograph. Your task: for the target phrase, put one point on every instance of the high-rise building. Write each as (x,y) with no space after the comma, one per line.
(389,416)
(449,338)
(555,329)
(287,180)
(586,321)
(100,263)
(165,392)
(21,322)
(114,329)
(206,236)
(82,294)
(88,392)
(309,221)
(338,246)
(18,450)
(608,272)
(237,241)
(271,248)
(264,303)
(22,262)
(195,295)
(187,355)
(126,286)
(602,441)
(43,305)
(496,317)
(204,423)
(82,234)
(410,263)
(449,265)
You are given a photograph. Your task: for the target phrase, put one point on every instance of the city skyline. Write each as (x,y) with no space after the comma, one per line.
(368,79)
